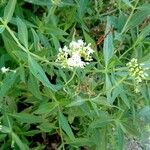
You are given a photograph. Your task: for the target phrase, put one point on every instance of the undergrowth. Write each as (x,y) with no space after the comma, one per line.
(74,74)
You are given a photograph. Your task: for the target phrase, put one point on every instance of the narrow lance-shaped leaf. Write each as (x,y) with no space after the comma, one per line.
(33,86)
(119,138)
(27,118)
(38,72)
(108,89)
(36,39)
(65,126)
(7,83)
(80,142)
(108,47)
(125,99)
(46,108)
(102,122)
(9,10)
(77,102)
(127,2)
(145,32)
(10,45)
(39,2)
(22,32)
(18,141)
(89,39)
(138,18)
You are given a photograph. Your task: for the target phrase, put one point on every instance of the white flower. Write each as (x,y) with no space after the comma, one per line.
(89,49)
(65,49)
(80,42)
(75,61)
(77,54)
(4,69)
(60,49)
(74,45)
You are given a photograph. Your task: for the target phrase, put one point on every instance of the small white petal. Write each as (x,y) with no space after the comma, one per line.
(60,49)
(80,42)
(65,49)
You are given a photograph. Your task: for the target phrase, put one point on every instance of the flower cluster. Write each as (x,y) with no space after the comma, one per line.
(137,71)
(77,54)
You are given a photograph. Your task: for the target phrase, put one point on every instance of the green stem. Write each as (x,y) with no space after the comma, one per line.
(129,18)
(127,51)
(73,75)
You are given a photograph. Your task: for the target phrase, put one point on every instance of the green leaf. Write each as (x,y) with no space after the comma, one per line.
(31,132)
(82,7)
(36,40)
(88,39)
(108,48)
(79,142)
(5,129)
(132,128)
(22,73)
(144,33)
(120,23)
(120,138)
(33,86)
(9,10)
(145,6)
(38,72)
(65,126)
(46,108)
(7,83)
(21,55)
(47,127)
(117,88)
(138,18)
(10,45)
(125,99)
(102,122)
(20,144)
(77,102)
(108,89)
(127,2)
(100,100)
(22,32)
(39,2)
(27,118)
(145,114)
